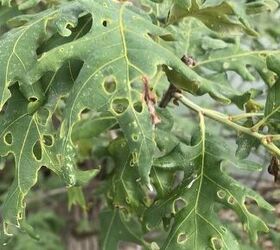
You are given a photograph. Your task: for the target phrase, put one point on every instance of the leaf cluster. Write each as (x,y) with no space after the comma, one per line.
(93,80)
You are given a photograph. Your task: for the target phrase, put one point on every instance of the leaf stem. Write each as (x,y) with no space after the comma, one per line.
(275,137)
(257,126)
(244,116)
(266,140)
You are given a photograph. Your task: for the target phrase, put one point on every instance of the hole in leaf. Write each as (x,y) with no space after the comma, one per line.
(179,204)
(120,105)
(48,140)
(132,163)
(8,138)
(19,215)
(33,99)
(138,107)
(221,194)
(85,24)
(85,113)
(216,243)
(182,238)
(227,215)
(135,137)
(37,151)
(224,229)
(231,200)
(110,85)
(105,23)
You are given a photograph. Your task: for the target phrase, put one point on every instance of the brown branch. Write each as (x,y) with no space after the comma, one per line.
(169,94)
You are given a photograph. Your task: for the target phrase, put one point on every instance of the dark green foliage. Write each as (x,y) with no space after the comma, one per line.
(95,79)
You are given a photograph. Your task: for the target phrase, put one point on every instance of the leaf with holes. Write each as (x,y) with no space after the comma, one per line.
(125,190)
(214,58)
(36,146)
(24,4)
(16,59)
(196,225)
(29,137)
(215,55)
(111,52)
(97,89)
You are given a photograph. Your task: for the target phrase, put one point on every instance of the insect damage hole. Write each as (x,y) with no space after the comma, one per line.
(33,99)
(37,151)
(231,200)
(135,137)
(216,243)
(223,229)
(85,113)
(8,138)
(182,238)
(110,85)
(105,23)
(48,140)
(179,204)
(221,194)
(119,105)
(138,107)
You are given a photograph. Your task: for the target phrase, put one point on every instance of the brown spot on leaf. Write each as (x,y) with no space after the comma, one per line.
(150,100)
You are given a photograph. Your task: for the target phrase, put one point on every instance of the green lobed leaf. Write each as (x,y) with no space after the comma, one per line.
(48,225)
(272,106)
(115,52)
(245,142)
(125,190)
(196,224)
(215,54)
(26,4)
(117,226)
(221,16)
(37,146)
(16,60)
(121,52)
(30,150)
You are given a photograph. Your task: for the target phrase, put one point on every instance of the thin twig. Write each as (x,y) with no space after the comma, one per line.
(266,140)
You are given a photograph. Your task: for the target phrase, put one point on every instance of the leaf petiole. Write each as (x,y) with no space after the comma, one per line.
(266,140)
